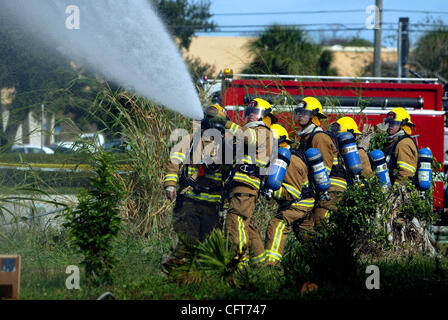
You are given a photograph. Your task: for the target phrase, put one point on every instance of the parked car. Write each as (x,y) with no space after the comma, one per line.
(30,148)
(116,145)
(64,147)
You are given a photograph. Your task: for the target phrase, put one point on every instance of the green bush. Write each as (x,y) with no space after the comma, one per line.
(330,256)
(378,141)
(96,221)
(418,205)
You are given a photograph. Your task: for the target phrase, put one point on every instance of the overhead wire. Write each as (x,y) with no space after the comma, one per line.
(324,11)
(286,12)
(336,26)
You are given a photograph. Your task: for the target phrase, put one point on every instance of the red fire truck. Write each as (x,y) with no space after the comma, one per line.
(366,99)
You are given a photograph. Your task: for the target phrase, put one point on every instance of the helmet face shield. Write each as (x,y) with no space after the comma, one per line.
(390,119)
(258,112)
(392,122)
(300,112)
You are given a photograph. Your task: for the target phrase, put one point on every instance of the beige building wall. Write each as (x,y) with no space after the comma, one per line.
(222,52)
(351,61)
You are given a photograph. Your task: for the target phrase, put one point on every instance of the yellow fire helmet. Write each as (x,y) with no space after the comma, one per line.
(216,110)
(262,109)
(281,135)
(348,124)
(312,107)
(401,117)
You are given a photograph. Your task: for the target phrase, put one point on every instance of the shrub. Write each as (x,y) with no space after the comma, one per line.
(330,256)
(214,256)
(418,205)
(96,221)
(378,141)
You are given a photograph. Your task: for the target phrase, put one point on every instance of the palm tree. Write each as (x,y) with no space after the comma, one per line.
(287,50)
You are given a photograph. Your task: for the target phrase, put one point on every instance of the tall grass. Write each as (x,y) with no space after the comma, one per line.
(146,128)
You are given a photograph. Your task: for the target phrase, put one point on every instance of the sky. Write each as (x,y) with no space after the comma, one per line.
(333,14)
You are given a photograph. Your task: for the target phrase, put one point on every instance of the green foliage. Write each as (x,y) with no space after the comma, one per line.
(330,256)
(283,50)
(95,221)
(184,18)
(378,141)
(409,277)
(358,214)
(146,128)
(357,42)
(418,204)
(326,259)
(430,56)
(46,254)
(214,256)
(388,69)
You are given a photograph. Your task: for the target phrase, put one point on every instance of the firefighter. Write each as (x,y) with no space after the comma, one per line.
(295,202)
(198,197)
(308,115)
(401,151)
(347,124)
(256,137)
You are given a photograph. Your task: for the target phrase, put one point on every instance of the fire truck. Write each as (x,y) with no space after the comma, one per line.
(366,99)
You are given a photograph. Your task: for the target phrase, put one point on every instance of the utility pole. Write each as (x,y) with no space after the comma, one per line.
(403,47)
(42,136)
(399,67)
(377,38)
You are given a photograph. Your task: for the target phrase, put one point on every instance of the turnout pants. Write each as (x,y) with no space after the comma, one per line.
(240,229)
(194,220)
(323,207)
(291,219)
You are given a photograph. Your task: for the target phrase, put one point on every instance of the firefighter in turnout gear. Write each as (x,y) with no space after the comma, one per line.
(200,187)
(308,115)
(295,202)
(257,140)
(347,124)
(401,151)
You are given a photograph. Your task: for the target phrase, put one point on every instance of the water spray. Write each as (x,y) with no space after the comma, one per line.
(122,40)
